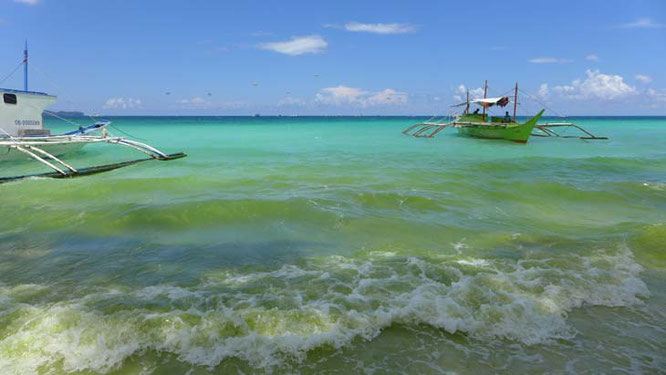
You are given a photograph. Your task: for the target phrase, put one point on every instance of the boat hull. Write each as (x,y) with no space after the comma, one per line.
(56,149)
(511,132)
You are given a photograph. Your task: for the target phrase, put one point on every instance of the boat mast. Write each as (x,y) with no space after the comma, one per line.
(515,102)
(467,110)
(485,93)
(25,67)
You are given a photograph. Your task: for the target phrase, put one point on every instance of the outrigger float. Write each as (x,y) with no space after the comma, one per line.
(23,136)
(478,125)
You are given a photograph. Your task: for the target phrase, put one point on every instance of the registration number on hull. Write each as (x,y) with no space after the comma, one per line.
(27,122)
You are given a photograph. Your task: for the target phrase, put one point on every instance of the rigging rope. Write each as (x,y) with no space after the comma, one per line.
(93,118)
(542,103)
(62,118)
(12,73)
(128,134)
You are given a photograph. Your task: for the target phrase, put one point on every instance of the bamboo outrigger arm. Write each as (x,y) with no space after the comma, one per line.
(28,151)
(428,128)
(547,131)
(36,142)
(33,148)
(425,129)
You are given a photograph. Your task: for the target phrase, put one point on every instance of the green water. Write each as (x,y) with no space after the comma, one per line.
(338,245)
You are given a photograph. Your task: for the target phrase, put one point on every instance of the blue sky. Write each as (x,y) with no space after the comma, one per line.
(336,57)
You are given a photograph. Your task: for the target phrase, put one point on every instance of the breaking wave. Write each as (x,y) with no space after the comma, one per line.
(266,317)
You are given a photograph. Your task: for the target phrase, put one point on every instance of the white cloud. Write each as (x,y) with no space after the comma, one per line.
(388,97)
(543,91)
(643,78)
(476,93)
(597,86)
(344,95)
(196,101)
(592,58)
(28,2)
(549,60)
(340,95)
(261,33)
(460,94)
(122,103)
(291,101)
(658,97)
(380,28)
(642,23)
(297,45)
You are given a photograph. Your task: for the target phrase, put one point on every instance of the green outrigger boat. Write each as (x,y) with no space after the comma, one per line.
(478,126)
(481,125)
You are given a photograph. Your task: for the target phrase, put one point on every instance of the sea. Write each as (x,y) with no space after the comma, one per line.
(338,245)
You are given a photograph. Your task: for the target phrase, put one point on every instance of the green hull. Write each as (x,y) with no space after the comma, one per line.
(510,132)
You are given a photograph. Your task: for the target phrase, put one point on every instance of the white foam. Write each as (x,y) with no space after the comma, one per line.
(473,262)
(327,301)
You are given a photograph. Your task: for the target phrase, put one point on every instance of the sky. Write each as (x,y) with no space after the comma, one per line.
(197,57)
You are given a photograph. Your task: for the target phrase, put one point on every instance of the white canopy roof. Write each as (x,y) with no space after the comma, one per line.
(487,100)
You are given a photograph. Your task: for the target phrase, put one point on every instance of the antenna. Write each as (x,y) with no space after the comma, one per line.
(25,67)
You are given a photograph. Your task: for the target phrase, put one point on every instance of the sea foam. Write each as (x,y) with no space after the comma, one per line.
(268,317)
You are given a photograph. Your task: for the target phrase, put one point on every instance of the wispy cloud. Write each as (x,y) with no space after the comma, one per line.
(297,45)
(28,2)
(643,78)
(380,28)
(344,95)
(2,22)
(592,57)
(340,95)
(198,102)
(658,97)
(543,91)
(642,23)
(387,97)
(122,103)
(291,101)
(549,60)
(261,33)
(460,93)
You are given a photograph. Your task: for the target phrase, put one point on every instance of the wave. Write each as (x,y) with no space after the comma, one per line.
(266,317)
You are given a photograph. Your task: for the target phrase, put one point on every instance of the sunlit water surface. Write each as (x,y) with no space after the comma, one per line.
(338,245)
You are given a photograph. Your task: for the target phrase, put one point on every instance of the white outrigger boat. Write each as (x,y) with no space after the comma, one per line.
(23,136)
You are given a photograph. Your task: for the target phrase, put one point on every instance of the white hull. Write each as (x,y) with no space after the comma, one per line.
(56,145)
(23,137)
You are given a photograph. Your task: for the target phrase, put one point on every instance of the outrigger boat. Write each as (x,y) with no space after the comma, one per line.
(23,136)
(480,125)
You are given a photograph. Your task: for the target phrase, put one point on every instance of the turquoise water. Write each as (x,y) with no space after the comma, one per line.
(338,245)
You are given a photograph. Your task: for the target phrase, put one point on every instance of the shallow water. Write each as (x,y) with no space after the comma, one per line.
(338,245)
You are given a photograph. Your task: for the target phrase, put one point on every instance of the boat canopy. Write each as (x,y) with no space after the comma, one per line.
(501,101)
(489,102)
